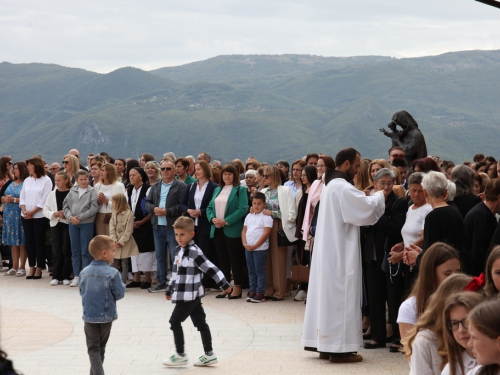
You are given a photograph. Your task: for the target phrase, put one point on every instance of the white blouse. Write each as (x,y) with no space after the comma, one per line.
(34,193)
(198,198)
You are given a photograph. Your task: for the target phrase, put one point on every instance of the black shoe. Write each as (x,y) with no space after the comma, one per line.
(146,285)
(369,345)
(37,277)
(395,349)
(134,284)
(30,277)
(367,336)
(234,297)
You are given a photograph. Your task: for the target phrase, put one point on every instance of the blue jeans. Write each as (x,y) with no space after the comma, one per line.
(164,238)
(80,237)
(256,262)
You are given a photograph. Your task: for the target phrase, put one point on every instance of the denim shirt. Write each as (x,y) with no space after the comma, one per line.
(100,287)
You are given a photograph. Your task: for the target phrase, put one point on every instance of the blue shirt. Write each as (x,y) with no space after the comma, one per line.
(165,188)
(293,187)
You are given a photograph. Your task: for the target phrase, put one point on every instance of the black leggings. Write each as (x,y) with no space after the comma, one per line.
(34,231)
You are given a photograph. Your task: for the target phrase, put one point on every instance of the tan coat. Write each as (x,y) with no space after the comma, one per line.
(121,227)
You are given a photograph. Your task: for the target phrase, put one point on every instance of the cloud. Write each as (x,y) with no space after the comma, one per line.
(103,36)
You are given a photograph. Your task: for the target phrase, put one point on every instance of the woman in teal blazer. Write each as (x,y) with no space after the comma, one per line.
(226,212)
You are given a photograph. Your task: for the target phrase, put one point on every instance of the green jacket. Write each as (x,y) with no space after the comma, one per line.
(189,179)
(236,210)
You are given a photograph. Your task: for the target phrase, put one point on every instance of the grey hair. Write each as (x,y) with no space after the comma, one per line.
(384,172)
(415,178)
(436,184)
(251,172)
(452,190)
(463,177)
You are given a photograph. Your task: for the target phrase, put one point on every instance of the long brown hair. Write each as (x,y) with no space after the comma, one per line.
(427,281)
(120,203)
(485,318)
(362,177)
(4,170)
(431,318)
(490,291)
(453,349)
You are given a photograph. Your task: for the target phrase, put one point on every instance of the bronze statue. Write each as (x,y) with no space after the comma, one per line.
(410,138)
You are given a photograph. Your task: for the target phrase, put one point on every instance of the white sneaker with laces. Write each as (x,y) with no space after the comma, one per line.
(66,282)
(54,282)
(206,360)
(74,282)
(176,360)
(300,296)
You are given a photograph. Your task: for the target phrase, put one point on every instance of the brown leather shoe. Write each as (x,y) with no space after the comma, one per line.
(345,358)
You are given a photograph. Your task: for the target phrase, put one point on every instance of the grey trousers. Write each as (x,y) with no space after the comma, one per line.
(97,335)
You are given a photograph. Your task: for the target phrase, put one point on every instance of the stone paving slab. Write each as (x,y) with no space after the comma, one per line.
(42,331)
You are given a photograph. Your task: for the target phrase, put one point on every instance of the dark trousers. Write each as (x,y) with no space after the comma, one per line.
(206,244)
(34,231)
(182,311)
(97,335)
(305,255)
(231,255)
(61,252)
(395,292)
(376,286)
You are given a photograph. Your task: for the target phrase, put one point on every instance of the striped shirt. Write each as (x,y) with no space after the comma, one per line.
(189,266)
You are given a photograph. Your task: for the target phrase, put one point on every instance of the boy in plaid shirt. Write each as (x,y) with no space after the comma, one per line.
(185,290)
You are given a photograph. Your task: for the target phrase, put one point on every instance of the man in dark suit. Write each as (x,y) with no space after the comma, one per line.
(163,201)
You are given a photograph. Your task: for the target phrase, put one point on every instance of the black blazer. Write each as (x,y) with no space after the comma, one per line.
(172,204)
(387,230)
(187,202)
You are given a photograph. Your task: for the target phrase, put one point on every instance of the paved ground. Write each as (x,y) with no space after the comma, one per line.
(42,331)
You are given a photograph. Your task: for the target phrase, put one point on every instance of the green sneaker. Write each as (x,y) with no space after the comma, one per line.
(175,360)
(206,360)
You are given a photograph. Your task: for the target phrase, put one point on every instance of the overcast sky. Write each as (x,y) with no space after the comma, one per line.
(107,34)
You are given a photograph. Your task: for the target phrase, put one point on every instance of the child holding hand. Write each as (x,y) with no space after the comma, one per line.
(255,237)
(186,290)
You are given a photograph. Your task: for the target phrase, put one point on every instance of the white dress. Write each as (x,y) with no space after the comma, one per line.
(332,320)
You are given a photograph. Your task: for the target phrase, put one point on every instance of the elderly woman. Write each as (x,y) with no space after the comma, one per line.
(152,169)
(71,165)
(375,166)
(384,281)
(34,193)
(250,183)
(280,205)
(226,212)
(465,199)
(105,189)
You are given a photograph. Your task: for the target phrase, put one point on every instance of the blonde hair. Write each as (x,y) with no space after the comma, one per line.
(74,163)
(453,349)
(120,203)
(99,244)
(382,162)
(274,175)
(431,318)
(156,166)
(362,177)
(184,222)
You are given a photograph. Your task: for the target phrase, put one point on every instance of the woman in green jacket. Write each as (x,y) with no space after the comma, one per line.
(226,212)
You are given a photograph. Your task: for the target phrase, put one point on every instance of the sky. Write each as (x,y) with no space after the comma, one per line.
(105,35)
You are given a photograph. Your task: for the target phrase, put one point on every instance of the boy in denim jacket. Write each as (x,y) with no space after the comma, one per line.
(100,287)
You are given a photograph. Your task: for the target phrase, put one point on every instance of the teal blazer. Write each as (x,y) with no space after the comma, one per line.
(236,210)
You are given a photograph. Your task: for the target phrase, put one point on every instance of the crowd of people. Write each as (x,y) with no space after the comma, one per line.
(429,250)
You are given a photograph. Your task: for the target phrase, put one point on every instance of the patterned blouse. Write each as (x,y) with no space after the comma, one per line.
(272,203)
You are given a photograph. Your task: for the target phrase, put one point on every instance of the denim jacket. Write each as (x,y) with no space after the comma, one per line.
(100,287)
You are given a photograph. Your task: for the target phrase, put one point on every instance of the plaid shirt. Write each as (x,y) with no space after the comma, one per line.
(189,265)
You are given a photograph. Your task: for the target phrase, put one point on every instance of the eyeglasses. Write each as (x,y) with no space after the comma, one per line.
(454,324)
(398,155)
(385,184)
(166,169)
(65,162)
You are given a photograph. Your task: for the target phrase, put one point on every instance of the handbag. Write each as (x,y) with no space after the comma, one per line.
(283,240)
(300,273)
(106,219)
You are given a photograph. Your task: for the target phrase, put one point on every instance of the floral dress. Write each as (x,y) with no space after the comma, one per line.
(13,232)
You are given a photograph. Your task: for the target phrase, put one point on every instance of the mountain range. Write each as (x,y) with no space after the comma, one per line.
(269,106)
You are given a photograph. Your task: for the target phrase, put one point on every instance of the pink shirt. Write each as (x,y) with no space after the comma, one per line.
(221,201)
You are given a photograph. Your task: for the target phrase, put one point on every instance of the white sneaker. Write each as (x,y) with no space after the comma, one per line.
(175,360)
(66,282)
(74,282)
(54,282)
(130,276)
(206,360)
(300,296)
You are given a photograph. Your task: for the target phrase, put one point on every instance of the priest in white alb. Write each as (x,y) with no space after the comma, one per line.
(332,322)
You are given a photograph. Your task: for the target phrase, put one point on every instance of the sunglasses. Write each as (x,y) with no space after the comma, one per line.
(65,162)
(166,169)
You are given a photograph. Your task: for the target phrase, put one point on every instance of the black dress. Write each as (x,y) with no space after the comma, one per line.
(143,235)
